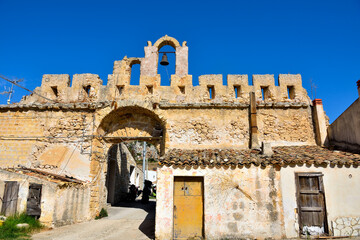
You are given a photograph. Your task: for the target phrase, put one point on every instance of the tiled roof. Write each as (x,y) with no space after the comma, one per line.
(45,175)
(291,155)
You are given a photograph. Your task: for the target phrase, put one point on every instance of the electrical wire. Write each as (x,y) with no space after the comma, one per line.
(16,84)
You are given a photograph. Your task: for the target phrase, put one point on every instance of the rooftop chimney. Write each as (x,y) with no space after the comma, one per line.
(320,122)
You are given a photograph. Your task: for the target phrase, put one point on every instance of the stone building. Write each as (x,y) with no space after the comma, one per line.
(237,160)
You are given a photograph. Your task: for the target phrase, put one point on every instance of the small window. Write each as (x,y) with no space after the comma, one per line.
(150,89)
(55,91)
(291,92)
(182,89)
(120,89)
(237,90)
(211,90)
(265,93)
(87,89)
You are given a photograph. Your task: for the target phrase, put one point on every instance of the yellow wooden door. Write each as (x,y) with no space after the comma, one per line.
(188,207)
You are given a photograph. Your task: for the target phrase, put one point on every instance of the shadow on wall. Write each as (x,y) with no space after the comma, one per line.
(117,177)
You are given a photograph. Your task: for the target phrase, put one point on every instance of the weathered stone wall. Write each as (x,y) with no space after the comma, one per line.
(89,88)
(207,128)
(238,203)
(66,131)
(342,196)
(286,126)
(47,139)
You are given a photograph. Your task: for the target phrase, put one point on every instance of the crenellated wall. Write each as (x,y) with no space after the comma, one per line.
(89,87)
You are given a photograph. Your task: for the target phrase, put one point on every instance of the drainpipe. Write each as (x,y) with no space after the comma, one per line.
(254,134)
(144,160)
(320,123)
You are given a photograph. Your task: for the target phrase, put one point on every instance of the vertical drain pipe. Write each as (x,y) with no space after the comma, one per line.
(254,135)
(144,161)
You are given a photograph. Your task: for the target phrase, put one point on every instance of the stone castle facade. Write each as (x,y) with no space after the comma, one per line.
(238,139)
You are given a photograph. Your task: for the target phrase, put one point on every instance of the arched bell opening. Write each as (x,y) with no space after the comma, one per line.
(166,63)
(135,71)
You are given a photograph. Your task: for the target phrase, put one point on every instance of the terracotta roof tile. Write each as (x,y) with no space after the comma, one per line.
(291,155)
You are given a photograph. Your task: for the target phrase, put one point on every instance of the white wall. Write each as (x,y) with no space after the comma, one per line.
(152,176)
(238,203)
(342,196)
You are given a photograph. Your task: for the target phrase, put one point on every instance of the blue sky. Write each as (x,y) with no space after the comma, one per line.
(318,39)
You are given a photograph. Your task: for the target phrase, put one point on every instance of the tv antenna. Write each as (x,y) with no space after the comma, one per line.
(313,88)
(11,90)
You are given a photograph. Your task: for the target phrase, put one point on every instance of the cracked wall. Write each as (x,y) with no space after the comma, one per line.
(234,199)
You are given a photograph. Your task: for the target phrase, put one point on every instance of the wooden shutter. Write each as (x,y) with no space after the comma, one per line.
(10,198)
(311,203)
(34,200)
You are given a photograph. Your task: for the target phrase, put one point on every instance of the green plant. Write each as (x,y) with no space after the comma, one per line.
(103,213)
(9,230)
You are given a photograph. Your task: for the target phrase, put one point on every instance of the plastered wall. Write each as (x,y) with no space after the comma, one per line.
(342,196)
(345,130)
(234,199)
(60,203)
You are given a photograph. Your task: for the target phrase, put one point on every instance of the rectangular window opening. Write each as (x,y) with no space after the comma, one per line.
(55,90)
(150,88)
(265,92)
(237,91)
(87,89)
(211,90)
(120,89)
(291,92)
(182,89)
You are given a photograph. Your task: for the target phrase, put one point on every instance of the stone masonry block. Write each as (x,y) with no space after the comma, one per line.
(81,80)
(264,81)
(59,80)
(235,79)
(211,80)
(290,79)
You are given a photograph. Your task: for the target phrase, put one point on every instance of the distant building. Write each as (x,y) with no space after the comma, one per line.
(344,132)
(152,176)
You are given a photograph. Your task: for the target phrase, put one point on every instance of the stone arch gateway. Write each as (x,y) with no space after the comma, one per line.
(127,123)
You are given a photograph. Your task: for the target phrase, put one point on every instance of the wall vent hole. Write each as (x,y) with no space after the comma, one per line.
(55,91)
(150,88)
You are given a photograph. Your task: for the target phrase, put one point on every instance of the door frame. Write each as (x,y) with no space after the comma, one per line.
(202,178)
(322,190)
